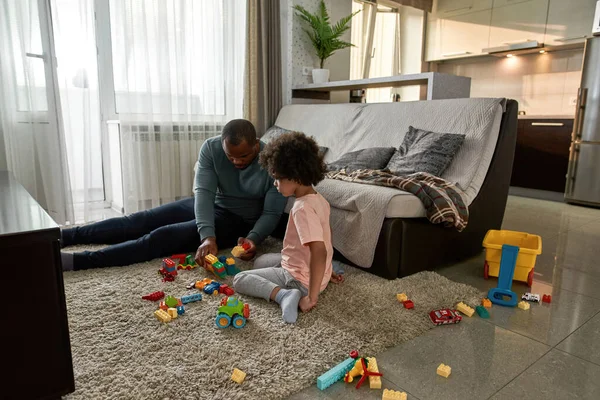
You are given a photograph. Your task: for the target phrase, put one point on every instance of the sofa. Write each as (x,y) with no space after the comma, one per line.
(408,242)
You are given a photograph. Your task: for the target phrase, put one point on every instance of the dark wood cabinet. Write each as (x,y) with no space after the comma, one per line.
(542,154)
(36,353)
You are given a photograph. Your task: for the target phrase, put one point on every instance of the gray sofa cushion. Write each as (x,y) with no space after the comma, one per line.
(371,158)
(425,151)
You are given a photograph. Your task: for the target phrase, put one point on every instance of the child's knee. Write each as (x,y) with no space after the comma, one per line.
(240,276)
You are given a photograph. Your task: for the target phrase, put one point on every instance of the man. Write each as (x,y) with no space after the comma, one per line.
(234,202)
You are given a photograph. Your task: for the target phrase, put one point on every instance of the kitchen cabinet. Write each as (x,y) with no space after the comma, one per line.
(466,34)
(448,8)
(518,22)
(542,154)
(569,21)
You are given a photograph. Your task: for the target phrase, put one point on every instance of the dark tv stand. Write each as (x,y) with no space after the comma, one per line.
(36,352)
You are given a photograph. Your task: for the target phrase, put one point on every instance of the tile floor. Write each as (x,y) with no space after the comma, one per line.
(551,351)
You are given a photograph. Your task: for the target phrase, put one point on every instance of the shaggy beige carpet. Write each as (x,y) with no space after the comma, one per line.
(121,351)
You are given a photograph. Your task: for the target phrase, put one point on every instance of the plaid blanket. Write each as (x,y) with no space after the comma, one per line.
(442,201)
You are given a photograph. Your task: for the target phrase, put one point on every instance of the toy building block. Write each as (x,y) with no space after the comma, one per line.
(408,304)
(237,251)
(486,303)
(163,306)
(229,261)
(189,260)
(154,296)
(465,309)
(180,310)
(226,290)
(444,370)
(374,381)
(547,298)
(238,376)
(229,264)
(393,395)
(335,374)
(482,312)
(523,305)
(401,297)
(211,259)
(171,301)
(172,312)
(179,258)
(190,298)
(169,266)
(162,316)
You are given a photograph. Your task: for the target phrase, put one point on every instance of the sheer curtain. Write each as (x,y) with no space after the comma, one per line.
(178,74)
(31,125)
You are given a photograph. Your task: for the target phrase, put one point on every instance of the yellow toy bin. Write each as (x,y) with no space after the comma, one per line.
(530,247)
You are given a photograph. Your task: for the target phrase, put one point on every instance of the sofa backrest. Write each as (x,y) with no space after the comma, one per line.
(354,126)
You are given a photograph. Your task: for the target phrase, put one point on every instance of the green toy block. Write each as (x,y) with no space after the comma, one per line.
(335,374)
(171,301)
(219,269)
(189,260)
(482,312)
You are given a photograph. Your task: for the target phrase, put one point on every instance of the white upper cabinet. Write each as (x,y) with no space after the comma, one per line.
(569,21)
(447,8)
(515,22)
(465,35)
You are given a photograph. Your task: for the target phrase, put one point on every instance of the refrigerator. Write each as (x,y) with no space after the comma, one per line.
(583,174)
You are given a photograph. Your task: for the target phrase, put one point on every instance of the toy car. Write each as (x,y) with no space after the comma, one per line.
(531,297)
(445,316)
(226,290)
(232,312)
(212,288)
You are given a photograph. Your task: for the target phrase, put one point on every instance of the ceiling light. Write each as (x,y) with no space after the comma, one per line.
(509,55)
(542,51)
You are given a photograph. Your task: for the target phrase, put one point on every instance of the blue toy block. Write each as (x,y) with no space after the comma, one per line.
(180,309)
(223,259)
(191,298)
(231,269)
(335,374)
(505,276)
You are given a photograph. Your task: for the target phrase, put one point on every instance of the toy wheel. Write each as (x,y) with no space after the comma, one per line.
(223,320)
(239,322)
(486,270)
(530,278)
(246,310)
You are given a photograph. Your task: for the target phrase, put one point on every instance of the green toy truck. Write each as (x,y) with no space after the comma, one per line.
(232,312)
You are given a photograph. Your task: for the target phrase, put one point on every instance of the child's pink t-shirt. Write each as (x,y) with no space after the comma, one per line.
(309,222)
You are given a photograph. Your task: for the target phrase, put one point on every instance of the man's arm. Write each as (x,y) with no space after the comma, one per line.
(205,189)
(267,222)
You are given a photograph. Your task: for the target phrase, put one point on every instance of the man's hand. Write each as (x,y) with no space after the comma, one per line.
(306,304)
(251,252)
(335,278)
(208,246)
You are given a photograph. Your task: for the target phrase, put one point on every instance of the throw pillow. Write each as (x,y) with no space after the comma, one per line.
(276,131)
(371,158)
(425,151)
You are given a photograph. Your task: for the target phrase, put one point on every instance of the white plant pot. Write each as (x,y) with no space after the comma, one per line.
(320,75)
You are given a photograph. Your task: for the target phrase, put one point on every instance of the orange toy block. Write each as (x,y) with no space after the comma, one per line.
(374,381)
(465,309)
(393,395)
(162,316)
(238,376)
(230,261)
(487,303)
(402,297)
(444,370)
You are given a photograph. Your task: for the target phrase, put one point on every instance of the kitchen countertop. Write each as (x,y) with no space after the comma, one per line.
(546,116)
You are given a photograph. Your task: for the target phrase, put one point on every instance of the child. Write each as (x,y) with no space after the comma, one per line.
(302,270)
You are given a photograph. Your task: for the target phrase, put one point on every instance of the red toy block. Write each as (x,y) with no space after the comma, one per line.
(154,296)
(354,354)
(408,304)
(226,290)
(246,246)
(547,298)
(178,258)
(168,277)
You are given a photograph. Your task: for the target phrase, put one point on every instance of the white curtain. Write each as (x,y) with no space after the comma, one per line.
(75,44)
(31,125)
(178,74)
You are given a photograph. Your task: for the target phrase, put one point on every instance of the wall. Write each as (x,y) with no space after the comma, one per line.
(411,44)
(543,84)
(3,165)
(297,51)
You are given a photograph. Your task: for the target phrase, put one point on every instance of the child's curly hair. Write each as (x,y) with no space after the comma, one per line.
(294,156)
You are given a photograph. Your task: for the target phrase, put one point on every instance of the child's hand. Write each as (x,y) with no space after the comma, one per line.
(335,278)
(251,252)
(306,304)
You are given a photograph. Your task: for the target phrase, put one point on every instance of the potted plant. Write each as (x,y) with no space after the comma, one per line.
(324,37)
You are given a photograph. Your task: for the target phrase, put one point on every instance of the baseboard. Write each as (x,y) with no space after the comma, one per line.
(537,194)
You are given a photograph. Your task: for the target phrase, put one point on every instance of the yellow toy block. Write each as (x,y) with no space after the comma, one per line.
(487,303)
(523,305)
(444,370)
(172,312)
(211,258)
(374,381)
(238,376)
(162,316)
(401,297)
(237,251)
(465,309)
(230,261)
(393,395)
